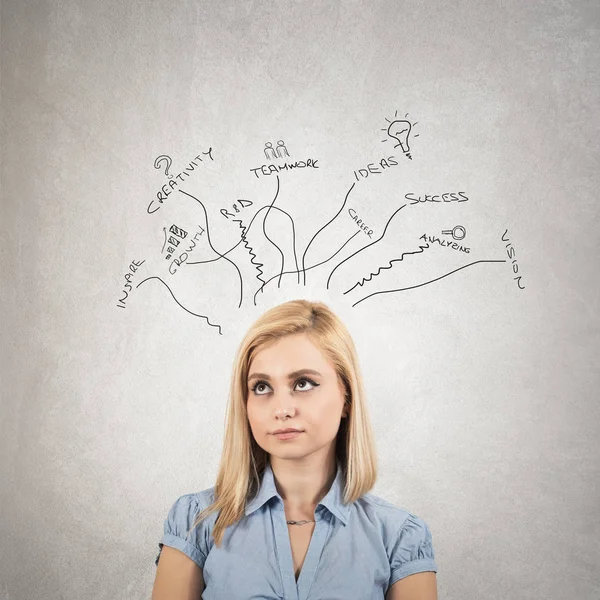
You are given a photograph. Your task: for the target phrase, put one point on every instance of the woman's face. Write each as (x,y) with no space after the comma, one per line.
(279,383)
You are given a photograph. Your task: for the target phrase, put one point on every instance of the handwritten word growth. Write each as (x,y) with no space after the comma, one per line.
(177,262)
(168,187)
(133,267)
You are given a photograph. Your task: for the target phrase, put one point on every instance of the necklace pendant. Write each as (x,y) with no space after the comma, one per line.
(297,522)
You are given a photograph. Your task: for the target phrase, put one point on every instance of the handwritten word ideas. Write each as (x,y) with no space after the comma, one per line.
(299,164)
(168,187)
(133,267)
(384,163)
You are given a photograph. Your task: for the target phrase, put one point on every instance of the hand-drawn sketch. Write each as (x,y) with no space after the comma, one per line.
(265,236)
(168,187)
(163,158)
(270,151)
(399,130)
(172,239)
(281,149)
(458,232)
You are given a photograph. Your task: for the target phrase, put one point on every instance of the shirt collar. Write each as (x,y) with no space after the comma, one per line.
(333,500)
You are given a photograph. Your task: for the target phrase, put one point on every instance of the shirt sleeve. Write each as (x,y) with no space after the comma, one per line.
(179,520)
(413,551)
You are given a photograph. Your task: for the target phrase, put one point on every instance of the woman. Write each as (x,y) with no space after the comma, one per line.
(291,515)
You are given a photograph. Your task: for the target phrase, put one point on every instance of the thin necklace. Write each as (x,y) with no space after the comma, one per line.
(299,522)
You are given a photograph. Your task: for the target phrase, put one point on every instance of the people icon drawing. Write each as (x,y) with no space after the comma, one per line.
(281,149)
(274,153)
(269,149)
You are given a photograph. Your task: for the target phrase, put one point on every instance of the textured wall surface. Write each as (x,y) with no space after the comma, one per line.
(463,257)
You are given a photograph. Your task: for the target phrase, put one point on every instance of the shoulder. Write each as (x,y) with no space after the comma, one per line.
(390,516)
(179,530)
(406,536)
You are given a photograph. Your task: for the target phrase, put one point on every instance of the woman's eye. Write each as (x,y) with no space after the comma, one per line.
(256,389)
(259,387)
(306,381)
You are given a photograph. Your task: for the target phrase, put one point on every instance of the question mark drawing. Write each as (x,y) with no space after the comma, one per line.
(163,158)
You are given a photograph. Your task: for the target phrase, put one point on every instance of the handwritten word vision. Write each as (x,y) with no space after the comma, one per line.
(510,251)
(133,267)
(168,187)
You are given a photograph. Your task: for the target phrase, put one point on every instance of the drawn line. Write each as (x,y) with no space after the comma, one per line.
(246,230)
(318,264)
(210,244)
(293,242)
(326,224)
(427,282)
(361,283)
(367,246)
(272,242)
(173,296)
(258,265)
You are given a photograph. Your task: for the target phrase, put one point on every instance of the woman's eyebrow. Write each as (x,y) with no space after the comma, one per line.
(290,376)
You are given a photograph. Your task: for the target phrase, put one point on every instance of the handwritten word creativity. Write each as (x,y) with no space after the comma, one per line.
(168,187)
(133,267)
(515,266)
(185,255)
(384,163)
(433,239)
(300,164)
(448,197)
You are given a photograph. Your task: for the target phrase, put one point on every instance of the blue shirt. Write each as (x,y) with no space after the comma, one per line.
(357,551)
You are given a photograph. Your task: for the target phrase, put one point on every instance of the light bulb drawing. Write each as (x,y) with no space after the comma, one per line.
(399,130)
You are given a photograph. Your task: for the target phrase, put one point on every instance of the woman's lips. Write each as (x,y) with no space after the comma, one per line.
(288,435)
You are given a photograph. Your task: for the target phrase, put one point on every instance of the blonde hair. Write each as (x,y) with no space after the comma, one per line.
(243,461)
